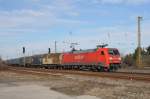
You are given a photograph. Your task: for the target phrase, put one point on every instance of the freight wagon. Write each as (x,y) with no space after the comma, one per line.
(52,60)
(13,62)
(37,60)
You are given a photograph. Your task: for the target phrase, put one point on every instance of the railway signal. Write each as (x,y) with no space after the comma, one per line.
(24,50)
(49,50)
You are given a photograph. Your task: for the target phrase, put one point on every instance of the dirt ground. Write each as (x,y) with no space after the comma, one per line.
(27,86)
(135,69)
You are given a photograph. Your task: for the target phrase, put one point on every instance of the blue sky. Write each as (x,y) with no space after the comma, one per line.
(36,24)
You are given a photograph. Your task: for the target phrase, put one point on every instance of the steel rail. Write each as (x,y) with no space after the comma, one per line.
(114,75)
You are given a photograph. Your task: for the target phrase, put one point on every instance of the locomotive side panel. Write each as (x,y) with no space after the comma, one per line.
(103,57)
(87,58)
(67,58)
(91,58)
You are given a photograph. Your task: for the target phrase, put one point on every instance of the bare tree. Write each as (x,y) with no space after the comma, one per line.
(148,50)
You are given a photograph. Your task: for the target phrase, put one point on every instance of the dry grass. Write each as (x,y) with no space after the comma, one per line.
(73,85)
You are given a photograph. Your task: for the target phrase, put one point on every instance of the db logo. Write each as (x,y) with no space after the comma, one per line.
(78,57)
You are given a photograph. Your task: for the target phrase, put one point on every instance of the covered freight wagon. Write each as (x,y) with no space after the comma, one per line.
(15,61)
(52,59)
(37,60)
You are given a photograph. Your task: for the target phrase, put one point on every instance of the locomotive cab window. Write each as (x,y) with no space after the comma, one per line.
(102,53)
(113,52)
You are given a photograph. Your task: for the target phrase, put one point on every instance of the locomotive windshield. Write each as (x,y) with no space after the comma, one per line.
(113,52)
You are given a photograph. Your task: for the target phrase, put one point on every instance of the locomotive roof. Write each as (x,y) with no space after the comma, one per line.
(88,50)
(84,51)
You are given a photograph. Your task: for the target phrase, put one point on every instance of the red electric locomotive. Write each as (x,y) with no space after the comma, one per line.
(101,59)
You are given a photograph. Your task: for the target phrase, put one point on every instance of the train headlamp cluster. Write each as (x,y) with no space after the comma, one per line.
(110,58)
(119,59)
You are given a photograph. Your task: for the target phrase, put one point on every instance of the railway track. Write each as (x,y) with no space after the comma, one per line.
(113,75)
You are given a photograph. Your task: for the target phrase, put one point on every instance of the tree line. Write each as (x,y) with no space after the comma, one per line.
(130,59)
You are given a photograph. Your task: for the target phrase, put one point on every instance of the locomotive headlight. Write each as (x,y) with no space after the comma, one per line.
(110,58)
(119,58)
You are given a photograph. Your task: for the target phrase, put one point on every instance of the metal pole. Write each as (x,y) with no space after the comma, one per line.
(139,42)
(24,56)
(55,46)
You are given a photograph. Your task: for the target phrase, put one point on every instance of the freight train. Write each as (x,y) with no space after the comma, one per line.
(98,59)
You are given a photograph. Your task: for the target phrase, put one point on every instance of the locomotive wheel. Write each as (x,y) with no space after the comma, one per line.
(100,69)
(106,69)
